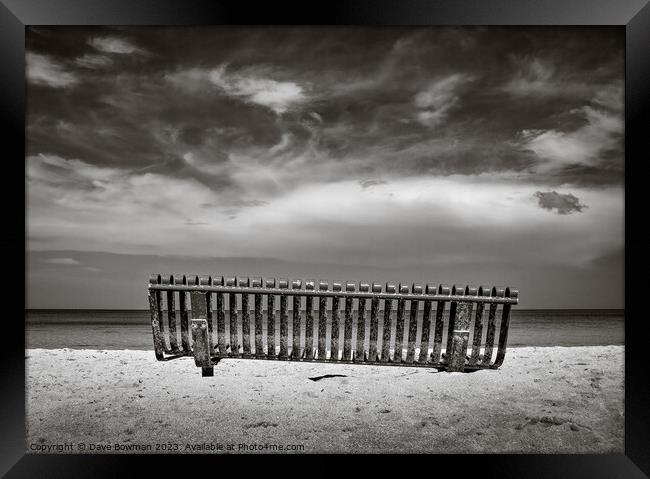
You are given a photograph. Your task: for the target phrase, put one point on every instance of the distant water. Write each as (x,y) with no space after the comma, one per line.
(131,329)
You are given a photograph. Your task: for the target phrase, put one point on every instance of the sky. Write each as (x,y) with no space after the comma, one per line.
(473,155)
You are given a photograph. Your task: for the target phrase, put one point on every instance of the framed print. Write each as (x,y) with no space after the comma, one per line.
(358,228)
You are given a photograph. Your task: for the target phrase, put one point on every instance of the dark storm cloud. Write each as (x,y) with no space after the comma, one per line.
(564,204)
(443,101)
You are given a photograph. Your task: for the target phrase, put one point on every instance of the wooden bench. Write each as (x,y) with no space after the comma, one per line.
(325,334)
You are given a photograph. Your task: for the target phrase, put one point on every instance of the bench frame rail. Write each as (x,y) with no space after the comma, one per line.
(470,309)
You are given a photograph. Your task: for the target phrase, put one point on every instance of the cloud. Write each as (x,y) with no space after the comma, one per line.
(73,205)
(43,70)
(534,77)
(601,132)
(368,183)
(279,96)
(564,203)
(252,86)
(115,45)
(93,61)
(435,102)
(62,261)
(285,140)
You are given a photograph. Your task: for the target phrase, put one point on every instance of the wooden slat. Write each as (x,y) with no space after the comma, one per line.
(309,320)
(504,327)
(270,319)
(426,326)
(374,324)
(460,334)
(182,304)
(440,324)
(159,306)
(347,338)
(484,291)
(155,326)
(413,324)
(295,351)
(284,321)
(399,327)
(336,316)
(259,335)
(207,281)
(171,320)
(322,321)
(452,318)
(232,313)
(491,326)
(221,317)
(245,318)
(385,340)
(361,324)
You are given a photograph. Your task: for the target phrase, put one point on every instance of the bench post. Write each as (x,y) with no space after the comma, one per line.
(460,337)
(200,333)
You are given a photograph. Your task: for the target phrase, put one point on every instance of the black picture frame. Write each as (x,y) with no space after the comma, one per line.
(633,15)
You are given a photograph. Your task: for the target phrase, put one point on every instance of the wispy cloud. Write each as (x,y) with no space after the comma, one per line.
(45,71)
(62,261)
(601,131)
(253,86)
(435,102)
(369,183)
(116,45)
(93,61)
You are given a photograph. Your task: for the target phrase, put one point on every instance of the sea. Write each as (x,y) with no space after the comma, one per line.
(131,329)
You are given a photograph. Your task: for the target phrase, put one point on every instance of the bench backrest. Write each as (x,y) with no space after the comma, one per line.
(441,339)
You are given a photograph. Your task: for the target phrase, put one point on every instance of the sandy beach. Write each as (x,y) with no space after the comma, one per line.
(542,400)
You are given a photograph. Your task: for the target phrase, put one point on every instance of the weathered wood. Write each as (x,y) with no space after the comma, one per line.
(491,326)
(245,318)
(284,321)
(207,281)
(199,291)
(158,346)
(270,320)
(361,324)
(426,327)
(484,291)
(440,324)
(374,324)
(295,351)
(322,321)
(503,328)
(336,329)
(456,290)
(167,280)
(413,324)
(385,340)
(200,338)
(171,320)
(199,305)
(399,327)
(309,320)
(221,318)
(347,337)
(182,304)
(460,334)
(232,313)
(159,306)
(259,335)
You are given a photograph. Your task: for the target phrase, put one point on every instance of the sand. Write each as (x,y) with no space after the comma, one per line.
(542,400)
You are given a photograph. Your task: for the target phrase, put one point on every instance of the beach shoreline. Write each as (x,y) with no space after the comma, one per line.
(542,400)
